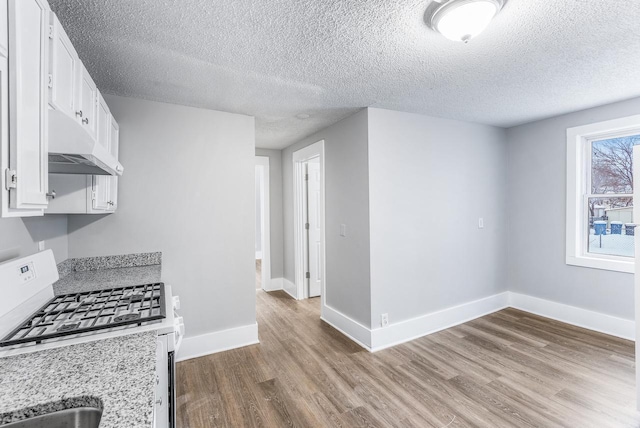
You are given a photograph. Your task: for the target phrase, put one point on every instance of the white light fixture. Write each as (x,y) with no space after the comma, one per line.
(462,20)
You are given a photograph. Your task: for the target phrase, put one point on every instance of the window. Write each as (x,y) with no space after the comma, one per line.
(600,228)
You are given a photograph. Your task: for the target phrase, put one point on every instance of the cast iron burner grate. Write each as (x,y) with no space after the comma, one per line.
(78,313)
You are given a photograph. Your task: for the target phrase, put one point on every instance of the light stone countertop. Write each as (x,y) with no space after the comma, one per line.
(91,280)
(116,374)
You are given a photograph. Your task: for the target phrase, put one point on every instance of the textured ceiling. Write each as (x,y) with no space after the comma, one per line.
(276,59)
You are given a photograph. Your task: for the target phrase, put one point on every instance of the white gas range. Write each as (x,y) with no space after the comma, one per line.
(32,318)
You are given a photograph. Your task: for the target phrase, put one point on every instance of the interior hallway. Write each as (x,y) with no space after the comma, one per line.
(508,369)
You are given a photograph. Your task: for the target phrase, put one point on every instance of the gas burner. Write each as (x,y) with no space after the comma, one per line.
(126,317)
(68,327)
(133,298)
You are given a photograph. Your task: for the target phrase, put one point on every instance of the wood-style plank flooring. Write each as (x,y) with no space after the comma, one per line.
(508,369)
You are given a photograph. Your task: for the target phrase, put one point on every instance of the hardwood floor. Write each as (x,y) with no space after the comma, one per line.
(508,369)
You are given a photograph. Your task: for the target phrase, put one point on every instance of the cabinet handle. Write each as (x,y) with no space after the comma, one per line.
(79,113)
(85,120)
(159,401)
(52,195)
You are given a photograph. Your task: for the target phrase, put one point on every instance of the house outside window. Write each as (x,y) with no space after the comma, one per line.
(600,229)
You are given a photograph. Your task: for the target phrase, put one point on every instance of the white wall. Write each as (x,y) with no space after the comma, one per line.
(19,237)
(188,191)
(537,178)
(421,167)
(275,212)
(347,202)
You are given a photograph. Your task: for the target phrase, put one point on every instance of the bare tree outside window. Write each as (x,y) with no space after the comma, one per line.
(611,200)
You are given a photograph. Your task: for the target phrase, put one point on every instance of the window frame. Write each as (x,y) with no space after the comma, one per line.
(579,190)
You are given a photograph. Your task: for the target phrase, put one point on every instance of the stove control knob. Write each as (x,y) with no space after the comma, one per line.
(176,303)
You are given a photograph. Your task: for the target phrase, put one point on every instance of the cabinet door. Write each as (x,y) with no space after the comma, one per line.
(101,193)
(4,28)
(28,148)
(114,136)
(87,101)
(65,66)
(104,123)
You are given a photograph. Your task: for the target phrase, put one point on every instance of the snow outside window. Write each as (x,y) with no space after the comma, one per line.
(600,229)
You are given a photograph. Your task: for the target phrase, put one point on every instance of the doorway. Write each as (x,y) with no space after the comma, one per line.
(263,233)
(309,224)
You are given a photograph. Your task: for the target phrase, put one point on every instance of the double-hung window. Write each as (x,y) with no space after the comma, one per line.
(600,226)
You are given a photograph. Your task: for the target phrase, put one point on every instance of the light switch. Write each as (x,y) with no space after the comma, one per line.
(343,230)
(40,245)
(480,223)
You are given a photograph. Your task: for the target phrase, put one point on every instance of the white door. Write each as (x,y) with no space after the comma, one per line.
(4,28)
(315,228)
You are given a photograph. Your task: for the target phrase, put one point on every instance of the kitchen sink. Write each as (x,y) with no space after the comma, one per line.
(81,417)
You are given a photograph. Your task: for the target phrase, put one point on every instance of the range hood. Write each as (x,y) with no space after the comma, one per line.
(73,151)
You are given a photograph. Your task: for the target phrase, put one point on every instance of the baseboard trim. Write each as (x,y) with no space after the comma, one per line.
(591,320)
(290,288)
(405,331)
(347,326)
(218,341)
(274,285)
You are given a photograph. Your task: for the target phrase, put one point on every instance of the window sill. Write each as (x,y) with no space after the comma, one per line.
(615,265)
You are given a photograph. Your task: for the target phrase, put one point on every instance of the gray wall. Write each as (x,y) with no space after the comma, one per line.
(188,191)
(275,212)
(347,201)
(258,226)
(537,224)
(430,181)
(19,236)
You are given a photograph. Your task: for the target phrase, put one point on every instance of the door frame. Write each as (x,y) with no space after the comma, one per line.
(315,150)
(263,161)
(636,277)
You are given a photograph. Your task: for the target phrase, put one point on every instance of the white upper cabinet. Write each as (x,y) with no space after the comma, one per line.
(114,136)
(88,102)
(26,176)
(64,71)
(103,123)
(105,187)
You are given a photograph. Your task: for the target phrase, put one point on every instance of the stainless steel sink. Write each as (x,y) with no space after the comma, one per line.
(81,417)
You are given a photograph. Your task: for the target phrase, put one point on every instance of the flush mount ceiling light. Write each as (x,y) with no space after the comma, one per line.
(462,20)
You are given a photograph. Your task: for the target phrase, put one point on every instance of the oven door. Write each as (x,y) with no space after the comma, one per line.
(164,400)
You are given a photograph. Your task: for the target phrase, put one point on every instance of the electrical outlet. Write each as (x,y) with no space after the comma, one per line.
(384,320)
(40,245)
